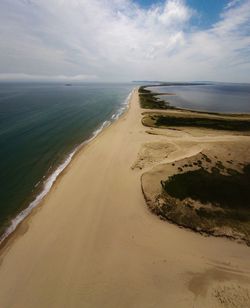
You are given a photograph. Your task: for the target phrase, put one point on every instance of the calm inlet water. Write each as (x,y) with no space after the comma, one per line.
(226,97)
(40,128)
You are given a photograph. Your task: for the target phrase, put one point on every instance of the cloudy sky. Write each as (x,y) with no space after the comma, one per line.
(124,40)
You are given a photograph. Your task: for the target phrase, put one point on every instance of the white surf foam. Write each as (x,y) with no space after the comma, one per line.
(52,178)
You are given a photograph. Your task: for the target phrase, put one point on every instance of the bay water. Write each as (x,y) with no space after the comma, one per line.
(212,97)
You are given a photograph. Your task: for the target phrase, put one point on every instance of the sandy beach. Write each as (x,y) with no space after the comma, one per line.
(94,243)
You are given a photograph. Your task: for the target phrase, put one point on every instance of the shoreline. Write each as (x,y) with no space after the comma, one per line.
(94,223)
(51,179)
(168,106)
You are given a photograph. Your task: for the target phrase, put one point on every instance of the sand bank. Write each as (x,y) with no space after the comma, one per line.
(93,242)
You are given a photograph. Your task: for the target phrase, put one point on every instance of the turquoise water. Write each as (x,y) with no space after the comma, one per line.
(216,97)
(41,126)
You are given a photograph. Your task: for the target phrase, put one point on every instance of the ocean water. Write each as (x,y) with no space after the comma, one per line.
(216,97)
(41,127)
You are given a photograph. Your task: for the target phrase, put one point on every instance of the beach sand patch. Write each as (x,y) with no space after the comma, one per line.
(151,153)
(222,288)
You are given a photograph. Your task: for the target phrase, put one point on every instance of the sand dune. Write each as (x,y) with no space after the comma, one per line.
(93,242)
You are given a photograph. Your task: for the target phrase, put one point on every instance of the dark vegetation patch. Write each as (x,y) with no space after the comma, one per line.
(207,159)
(205,122)
(208,202)
(222,216)
(233,172)
(228,191)
(219,165)
(149,100)
(215,170)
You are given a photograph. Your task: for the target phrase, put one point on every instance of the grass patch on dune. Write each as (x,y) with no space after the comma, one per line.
(210,202)
(222,123)
(150,100)
(227,191)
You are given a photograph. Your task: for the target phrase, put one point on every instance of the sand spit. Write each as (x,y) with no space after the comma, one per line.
(94,243)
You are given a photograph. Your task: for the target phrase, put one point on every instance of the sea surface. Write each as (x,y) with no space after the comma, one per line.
(212,97)
(41,127)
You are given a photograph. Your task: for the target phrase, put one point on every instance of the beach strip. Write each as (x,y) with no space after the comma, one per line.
(93,243)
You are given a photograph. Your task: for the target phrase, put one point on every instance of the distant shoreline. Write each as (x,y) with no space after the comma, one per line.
(198,108)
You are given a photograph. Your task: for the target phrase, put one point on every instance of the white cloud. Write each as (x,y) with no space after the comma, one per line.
(174,12)
(232,3)
(118,40)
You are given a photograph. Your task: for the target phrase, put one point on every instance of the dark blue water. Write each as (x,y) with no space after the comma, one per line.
(227,98)
(40,126)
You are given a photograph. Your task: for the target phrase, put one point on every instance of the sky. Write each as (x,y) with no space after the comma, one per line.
(125,40)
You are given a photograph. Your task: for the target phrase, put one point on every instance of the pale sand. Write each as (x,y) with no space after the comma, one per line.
(93,242)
